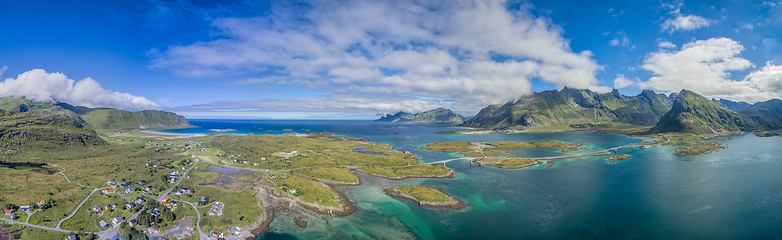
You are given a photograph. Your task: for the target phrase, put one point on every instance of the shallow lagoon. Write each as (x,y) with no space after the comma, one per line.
(734,193)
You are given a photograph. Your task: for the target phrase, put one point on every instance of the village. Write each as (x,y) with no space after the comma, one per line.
(139,205)
(201,191)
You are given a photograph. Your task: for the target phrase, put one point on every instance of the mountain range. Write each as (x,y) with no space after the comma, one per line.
(685,112)
(573,108)
(440,115)
(101,119)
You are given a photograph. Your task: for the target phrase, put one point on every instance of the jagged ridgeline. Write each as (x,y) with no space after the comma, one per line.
(573,108)
(693,113)
(731,105)
(434,115)
(101,119)
(763,115)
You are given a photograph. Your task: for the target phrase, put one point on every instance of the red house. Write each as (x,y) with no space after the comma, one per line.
(108,191)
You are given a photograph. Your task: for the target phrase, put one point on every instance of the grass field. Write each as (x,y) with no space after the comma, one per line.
(700,148)
(304,189)
(339,174)
(510,162)
(423,193)
(400,172)
(476,149)
(86,219)
(241,206)
(311,151)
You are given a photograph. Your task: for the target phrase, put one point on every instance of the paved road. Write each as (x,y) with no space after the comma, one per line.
(159,198)
(77,207)
(201,234)
(41,227)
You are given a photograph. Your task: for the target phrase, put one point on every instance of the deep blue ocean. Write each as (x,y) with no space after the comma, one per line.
(735,193)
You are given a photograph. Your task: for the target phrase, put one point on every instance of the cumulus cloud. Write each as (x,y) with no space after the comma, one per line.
(666,44)
(620,39)
(330,106)
(622,82)
(683,22)
(768,78)
(468,51)
(39,85)
(703,66)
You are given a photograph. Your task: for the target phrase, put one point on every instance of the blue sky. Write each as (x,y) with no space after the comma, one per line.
(358,59)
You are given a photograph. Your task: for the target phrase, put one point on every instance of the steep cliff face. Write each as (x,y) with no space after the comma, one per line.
(115,119)
(573,107)
(434,115)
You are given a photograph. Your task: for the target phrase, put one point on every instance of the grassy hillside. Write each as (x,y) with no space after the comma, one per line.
(573,108)
(26,130)
(24,105)
(101,119)
(764,115)
(693,113)
(115,119)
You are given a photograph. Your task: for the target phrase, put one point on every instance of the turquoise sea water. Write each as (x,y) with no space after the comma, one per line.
(731,194)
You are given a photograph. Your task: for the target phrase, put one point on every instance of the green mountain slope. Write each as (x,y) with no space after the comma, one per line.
(434,115)
(764,115)
(573,108)
(31,130)
(693,113)
(24,105)
(115,119)
(102,119)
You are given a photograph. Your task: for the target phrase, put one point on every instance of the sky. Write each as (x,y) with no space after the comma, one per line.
(361,59)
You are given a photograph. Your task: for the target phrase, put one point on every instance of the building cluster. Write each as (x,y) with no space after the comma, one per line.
(217,209)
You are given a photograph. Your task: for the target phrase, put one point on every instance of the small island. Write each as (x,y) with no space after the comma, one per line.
(618,157)
(509,163)
(700,148)
(479,149)
(426,196)
(223,130)
(768,133)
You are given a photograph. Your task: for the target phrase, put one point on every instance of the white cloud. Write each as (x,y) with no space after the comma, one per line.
(39,85)
(666,44)
(331,106)
(2,70)
(682,22)
(768,78)
(620,39)
(622,82)
(702,66)
(394,48)
(747,26)
(685,23)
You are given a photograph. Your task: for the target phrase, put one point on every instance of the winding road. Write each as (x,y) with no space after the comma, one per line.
(77,207)
(41,227)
